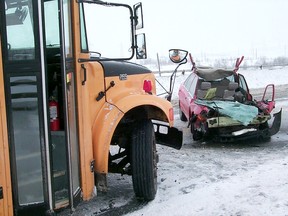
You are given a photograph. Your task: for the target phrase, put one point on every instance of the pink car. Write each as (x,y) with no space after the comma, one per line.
(217,105)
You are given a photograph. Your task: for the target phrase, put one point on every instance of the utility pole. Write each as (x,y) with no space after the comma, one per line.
(158,62)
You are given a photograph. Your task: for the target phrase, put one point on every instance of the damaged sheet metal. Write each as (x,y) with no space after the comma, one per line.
(210,74)
(243,131)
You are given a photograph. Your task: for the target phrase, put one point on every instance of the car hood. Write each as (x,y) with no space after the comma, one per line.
(237,111)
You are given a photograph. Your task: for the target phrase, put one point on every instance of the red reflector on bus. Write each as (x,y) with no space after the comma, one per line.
(171,114)
(147,86)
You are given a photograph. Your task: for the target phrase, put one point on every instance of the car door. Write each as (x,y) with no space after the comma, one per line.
(184,95)
(267,103)
(192,92)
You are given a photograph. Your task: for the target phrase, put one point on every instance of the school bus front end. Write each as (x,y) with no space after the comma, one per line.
(71,110)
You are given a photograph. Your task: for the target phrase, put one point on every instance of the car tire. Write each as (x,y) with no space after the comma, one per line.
(182,115)
(196,135)
(144,160)
(265,137)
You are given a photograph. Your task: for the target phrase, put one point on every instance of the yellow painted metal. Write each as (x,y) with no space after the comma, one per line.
(6,206)
(83,112)
(120,100)
(98,119)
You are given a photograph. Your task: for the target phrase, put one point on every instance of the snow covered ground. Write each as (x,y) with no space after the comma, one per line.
(211,179)
(245,179)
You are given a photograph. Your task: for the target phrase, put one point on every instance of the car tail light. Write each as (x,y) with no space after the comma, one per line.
(171,114)
(147,86)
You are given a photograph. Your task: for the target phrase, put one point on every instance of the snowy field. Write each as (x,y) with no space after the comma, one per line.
(210,179)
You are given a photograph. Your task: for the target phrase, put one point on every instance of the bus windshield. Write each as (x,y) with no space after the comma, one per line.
(108,30)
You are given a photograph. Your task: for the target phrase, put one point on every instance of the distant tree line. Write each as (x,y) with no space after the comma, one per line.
(222,62)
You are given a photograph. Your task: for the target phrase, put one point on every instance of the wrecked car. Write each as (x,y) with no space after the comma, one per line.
(217,105)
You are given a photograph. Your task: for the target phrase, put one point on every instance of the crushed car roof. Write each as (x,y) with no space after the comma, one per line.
(211,74)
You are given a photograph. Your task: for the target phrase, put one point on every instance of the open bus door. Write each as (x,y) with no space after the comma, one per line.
(5,183)
(38,67)
(63,114)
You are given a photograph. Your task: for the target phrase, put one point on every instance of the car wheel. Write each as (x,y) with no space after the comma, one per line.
(182,115)
(144,160)
(196,135)
(265,136)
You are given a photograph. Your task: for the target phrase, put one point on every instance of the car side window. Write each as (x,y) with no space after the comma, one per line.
(242,83)
(192,88)
(188,82)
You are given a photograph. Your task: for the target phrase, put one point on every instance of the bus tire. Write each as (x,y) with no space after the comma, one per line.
(144,160)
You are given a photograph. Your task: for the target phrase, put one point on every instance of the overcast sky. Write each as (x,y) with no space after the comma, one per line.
(232,27)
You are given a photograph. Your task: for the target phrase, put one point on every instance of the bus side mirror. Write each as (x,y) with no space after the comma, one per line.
(138,13)
(141,46)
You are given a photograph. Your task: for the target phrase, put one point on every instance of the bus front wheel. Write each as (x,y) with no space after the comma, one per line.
(144,160)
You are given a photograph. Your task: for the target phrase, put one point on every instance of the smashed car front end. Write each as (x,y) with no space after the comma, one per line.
(226,129)
(235,121)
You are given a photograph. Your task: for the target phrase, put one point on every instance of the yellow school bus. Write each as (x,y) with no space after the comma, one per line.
(69,96)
